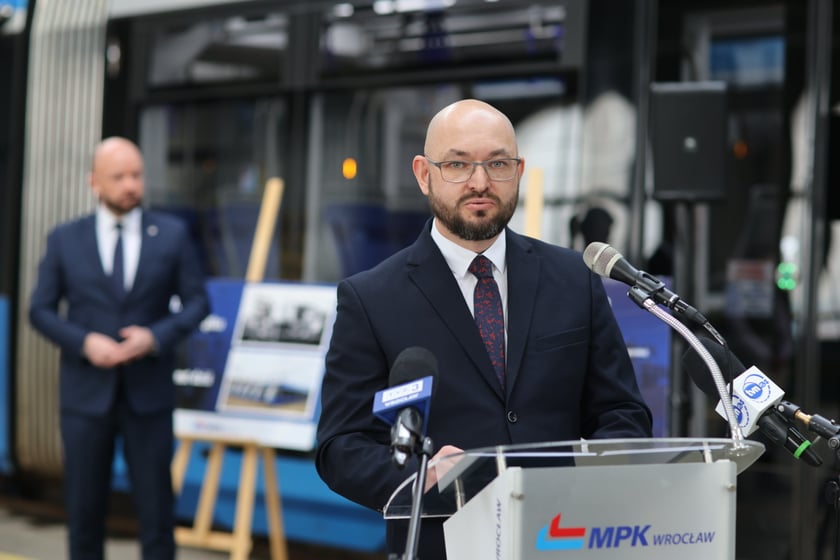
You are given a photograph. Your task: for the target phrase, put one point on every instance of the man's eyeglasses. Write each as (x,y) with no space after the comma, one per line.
(502,169)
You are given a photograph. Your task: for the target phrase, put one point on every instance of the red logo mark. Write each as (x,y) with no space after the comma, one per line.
(556,531)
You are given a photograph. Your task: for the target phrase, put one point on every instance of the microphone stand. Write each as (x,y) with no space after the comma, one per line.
(829,430)
(643,300)
(424,453)
(417,501)
(832,492)
(832,496)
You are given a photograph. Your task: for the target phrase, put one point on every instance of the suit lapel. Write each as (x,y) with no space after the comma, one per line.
(430,273)
(148,238)
(89,247)
(523,270)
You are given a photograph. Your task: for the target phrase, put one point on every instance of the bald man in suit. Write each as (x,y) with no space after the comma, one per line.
(118,270)
(562,371)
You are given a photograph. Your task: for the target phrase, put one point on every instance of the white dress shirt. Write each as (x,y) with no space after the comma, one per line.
(459,260)
(106,241)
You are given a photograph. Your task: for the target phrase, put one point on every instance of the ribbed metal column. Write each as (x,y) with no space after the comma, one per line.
(63,124)
(806,487)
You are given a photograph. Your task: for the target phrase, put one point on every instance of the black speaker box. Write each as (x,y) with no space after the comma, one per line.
(688,140)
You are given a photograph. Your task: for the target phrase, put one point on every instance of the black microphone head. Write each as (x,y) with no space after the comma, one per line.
(730,366)
(413,363)
(600,258)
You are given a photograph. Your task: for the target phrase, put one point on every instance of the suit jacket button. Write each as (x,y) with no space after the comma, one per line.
(512,417)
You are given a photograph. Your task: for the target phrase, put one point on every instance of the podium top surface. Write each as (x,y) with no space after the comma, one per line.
(454,479)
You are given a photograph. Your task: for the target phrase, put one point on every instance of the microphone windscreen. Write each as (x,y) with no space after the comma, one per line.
(599,257)
(730,366)
(413,363)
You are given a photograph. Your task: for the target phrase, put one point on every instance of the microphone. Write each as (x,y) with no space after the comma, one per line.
(754,399)
(405,404)
(605,260)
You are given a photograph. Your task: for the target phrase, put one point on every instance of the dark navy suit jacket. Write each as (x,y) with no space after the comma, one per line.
(71,270)
(568,371)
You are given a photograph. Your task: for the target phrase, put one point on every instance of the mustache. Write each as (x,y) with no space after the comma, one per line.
(488,195)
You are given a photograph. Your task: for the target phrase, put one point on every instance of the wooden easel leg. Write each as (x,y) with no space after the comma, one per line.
(276,532)
(245,504)
(179,465)
(209,491)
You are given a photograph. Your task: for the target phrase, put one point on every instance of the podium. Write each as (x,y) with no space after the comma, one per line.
(616,499)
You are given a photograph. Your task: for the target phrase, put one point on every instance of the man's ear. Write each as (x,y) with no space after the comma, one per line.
(420,166)
(92,182)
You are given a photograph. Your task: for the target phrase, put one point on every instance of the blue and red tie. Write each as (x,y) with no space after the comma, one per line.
(488,314)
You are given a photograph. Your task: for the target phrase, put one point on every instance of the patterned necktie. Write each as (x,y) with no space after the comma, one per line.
(489,315)
(117,275)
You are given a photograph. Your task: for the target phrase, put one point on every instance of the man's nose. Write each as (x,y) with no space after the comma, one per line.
(479,180)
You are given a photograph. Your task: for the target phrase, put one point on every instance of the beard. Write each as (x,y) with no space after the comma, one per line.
(123,205)
(485,228)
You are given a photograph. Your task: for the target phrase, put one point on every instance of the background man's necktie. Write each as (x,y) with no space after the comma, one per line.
(488,313)
(117,274)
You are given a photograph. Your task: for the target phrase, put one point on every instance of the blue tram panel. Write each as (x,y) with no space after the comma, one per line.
(5,397)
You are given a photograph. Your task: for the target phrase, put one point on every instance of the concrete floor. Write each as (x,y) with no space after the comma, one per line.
(33,531)
(23,536)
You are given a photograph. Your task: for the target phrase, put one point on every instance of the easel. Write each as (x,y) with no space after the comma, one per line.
(239,541)
(534,203)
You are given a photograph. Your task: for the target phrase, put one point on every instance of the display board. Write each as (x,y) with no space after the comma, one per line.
(255,366)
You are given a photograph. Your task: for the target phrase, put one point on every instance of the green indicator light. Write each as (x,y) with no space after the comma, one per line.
(786,276)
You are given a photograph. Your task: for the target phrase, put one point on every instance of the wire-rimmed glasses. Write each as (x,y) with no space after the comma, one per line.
(499,169)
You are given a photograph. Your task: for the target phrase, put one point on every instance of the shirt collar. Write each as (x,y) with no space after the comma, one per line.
(107,220)
(459,259)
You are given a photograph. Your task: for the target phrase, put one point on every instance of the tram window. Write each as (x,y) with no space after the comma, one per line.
(385,36)
(748,61)
(208,162)
(233,49)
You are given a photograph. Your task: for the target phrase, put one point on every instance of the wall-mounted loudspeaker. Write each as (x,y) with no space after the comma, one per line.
(688,140)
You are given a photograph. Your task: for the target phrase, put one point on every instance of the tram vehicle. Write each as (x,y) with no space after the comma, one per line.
(334,97)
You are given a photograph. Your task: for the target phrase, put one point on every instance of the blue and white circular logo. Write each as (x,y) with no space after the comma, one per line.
(756,387)
(742,413)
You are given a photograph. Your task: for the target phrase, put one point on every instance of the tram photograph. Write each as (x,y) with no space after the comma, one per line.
(369,279)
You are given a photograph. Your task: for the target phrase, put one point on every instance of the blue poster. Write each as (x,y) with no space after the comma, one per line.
(648,341)
(255,366)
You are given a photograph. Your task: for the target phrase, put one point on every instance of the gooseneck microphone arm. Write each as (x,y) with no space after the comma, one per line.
(606,261)
(643,300)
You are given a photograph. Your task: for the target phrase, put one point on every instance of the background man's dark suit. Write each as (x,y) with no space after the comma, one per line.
(93,400)
(568,372)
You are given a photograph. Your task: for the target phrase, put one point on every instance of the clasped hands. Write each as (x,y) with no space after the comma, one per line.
(105,352)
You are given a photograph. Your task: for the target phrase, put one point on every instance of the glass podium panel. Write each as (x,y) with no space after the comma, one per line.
(453,480)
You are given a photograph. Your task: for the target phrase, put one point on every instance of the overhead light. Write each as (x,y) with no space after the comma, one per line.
(423,5)
(384,7)
(343,10)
